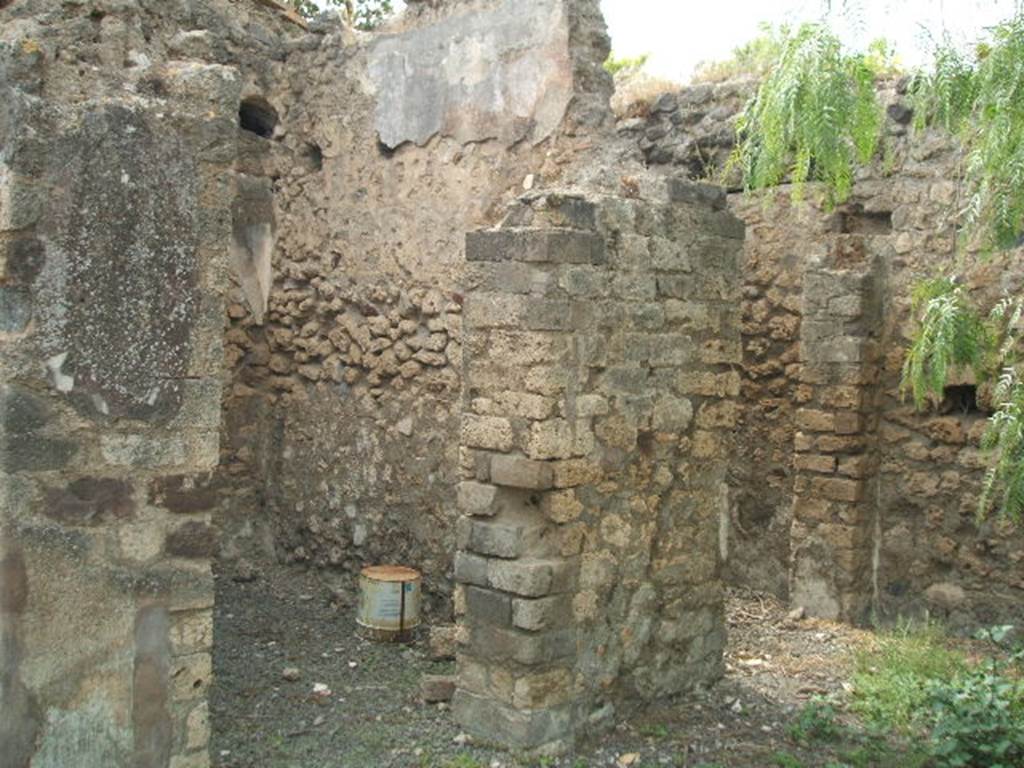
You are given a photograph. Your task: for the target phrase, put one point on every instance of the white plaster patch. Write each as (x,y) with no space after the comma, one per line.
(61,381)
(6,212)
(359,534)
(100,405)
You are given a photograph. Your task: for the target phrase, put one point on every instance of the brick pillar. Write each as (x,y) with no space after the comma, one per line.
(597,385)
(836,462)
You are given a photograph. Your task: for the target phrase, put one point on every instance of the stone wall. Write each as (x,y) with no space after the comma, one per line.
(920,548)
(599,340)
(344,408)
(116,196)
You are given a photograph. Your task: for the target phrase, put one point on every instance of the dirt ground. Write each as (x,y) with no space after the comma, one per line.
(355,703)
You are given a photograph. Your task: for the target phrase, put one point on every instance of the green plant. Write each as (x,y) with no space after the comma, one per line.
(951,334)
(882,59)
(655,730)
(816,721)
(976,94)
(463,761)
(786,760)
(814,118)
(1005,437)
(874,750)
(614,65)
(976,718)
(890,678)
(362,14)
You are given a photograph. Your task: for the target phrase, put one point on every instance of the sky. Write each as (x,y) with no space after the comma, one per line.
(678,34)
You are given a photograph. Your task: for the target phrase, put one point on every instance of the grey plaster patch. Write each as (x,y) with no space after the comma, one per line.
(85,737)
(503,73)
(151,720)
(15,308)
(118,292)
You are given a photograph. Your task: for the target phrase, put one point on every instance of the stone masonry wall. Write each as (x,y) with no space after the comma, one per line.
(929,553)
(116,195)
(599,339)
(344,404)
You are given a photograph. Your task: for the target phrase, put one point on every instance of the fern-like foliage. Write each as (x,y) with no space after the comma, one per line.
(979,95)
(1004,481)
(951,335)
(815,117)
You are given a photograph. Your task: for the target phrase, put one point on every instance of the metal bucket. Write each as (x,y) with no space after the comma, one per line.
(389,602)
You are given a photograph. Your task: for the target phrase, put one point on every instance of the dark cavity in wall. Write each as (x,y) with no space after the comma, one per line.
(960,399)
(854,220)
(256,115)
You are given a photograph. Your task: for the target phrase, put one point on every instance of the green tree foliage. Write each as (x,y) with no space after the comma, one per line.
(1004,481)
(950,335)
(979,95)
(953,334)
(613,65)
(815,117)
(362,14)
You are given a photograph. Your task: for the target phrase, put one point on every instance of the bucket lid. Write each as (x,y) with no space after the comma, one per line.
(391,573)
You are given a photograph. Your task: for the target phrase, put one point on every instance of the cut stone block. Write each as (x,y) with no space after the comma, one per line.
(519,472)
(437,688)
(517,728)
(552,246)
(532,578)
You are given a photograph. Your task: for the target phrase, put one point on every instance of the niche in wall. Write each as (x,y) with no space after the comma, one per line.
(256,115)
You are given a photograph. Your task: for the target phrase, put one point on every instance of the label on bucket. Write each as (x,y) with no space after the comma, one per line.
(389,605)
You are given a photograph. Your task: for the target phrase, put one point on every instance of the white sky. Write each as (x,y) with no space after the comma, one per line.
(678,34)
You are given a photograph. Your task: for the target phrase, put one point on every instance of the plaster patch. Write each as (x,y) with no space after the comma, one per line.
(61,381)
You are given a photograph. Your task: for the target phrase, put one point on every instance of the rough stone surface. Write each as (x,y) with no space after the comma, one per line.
(605,588)
(254,313)
(901,218)
(114,193)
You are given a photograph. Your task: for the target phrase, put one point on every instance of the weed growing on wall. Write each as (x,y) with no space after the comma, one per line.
(613,65)
(753,59)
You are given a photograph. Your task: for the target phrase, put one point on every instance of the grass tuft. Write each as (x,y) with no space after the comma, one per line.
(890,678)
